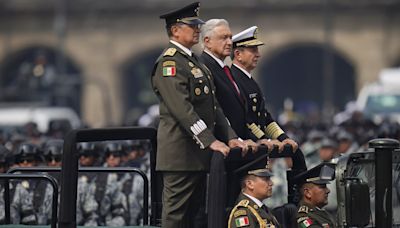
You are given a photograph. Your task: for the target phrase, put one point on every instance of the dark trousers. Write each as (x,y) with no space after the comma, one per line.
(183,197)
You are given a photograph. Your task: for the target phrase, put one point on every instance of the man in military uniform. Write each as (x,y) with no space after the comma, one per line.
(26,199)
(52,152)
(314,196)
(4,163)
(245,59)
(189,117)
(113,208)
(86,205)
(250,210)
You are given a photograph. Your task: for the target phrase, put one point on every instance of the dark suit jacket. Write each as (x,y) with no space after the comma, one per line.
(189,112)
(231,104)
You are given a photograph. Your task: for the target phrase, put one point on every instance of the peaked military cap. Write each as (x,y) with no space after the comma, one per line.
(188,15)
(260,172)
(247,38)
(320,174)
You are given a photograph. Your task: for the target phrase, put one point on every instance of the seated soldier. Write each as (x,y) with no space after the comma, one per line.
(314,196)
(250,210)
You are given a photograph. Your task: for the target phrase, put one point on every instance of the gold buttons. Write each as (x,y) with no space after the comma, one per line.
(197,91)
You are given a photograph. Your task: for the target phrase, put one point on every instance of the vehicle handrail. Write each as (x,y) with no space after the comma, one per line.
(69,171)
(52,181)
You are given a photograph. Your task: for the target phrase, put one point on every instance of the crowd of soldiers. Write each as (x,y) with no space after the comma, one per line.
(108,199)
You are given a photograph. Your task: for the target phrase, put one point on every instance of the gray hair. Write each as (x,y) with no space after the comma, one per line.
(207,29)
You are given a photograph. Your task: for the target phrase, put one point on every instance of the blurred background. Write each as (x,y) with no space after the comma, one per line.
(96,56)
(330,72)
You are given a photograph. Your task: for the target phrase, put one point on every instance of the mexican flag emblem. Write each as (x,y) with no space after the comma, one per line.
(242,221)
(306,223)
(169,71)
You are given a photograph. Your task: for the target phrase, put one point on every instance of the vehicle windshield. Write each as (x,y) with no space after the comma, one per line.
(364,169)
(383,104)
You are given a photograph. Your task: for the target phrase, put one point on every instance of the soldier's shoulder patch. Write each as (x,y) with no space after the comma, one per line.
(170,52)
(242,221)
(169,63)
(239,213)
(303,209)
(305,222)
(243,203)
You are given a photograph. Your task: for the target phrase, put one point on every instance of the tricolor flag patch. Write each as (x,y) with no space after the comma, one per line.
(306,223)
(242,221)
(169,71)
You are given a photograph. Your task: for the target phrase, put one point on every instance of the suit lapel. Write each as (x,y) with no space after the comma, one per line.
(222,75)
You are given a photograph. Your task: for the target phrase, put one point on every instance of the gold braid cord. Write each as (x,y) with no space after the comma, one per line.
(273,130)
(256,130)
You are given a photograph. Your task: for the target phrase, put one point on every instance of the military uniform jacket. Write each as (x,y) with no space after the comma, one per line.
(247,213)
(232,105)
(189,112)
(309,216)
(257,115)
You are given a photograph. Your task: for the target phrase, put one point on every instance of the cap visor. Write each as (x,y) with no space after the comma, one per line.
(196,21)
(321,182)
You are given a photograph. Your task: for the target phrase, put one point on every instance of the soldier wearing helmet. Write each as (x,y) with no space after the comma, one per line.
(52,152)
(86,208)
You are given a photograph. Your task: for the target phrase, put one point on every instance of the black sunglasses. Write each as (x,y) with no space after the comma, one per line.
(55,158)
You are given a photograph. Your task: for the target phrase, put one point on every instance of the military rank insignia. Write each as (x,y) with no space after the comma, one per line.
(242,221)
(197,72)
(169,68)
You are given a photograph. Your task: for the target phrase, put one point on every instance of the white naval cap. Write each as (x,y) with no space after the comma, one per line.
(247,38)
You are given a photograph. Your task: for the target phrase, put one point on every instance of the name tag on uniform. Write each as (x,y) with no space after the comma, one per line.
(197,73)
(251,95)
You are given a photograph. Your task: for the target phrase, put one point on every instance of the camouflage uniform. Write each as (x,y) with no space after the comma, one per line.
(113,209)
(135,197)
(2,208)
(86,208)
(22,205)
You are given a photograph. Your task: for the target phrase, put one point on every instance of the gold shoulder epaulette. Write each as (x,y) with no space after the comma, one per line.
(243,203)
(170,52)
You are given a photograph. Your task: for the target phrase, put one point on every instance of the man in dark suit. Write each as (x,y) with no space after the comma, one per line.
(189,117)
(245,59)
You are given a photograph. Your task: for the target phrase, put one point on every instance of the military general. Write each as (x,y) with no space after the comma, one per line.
(189,117)
(314,196)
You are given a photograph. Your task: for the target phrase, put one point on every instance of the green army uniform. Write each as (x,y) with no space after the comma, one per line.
(189,117)
(248,214)
(309,216)
(189,112)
